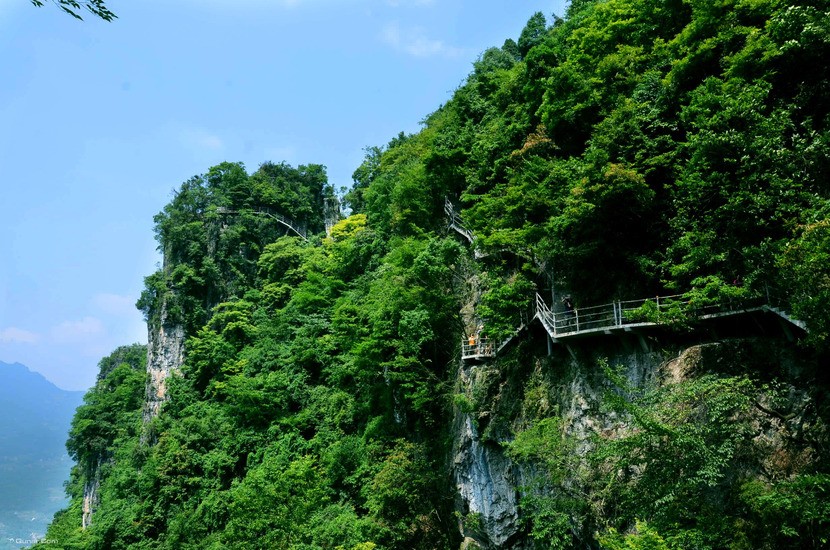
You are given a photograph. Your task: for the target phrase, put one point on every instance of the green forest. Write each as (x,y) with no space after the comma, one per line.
(629,148)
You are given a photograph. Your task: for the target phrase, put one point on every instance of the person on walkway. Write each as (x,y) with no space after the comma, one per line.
(568,302)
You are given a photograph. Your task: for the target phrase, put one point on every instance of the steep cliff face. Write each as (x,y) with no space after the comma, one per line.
(91,497)
(165,355)
(487,486)
(497,400)
(489,483)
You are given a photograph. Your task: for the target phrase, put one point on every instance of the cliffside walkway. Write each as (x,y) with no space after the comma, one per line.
(287,222)
(618,316)
(478,347)
(645,312)
(624,316)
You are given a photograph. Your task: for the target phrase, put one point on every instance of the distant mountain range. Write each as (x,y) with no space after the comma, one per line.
(35,416)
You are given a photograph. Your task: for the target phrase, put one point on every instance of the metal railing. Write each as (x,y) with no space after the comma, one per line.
(476,348)
(625,314)
(287,222)
(640,312)
(614,315)
(454,221)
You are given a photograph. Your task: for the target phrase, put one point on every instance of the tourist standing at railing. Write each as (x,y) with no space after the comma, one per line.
(568,302)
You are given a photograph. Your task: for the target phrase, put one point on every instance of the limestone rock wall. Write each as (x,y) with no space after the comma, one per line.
(91,497)
(488,482)
(165,355)
(496,400)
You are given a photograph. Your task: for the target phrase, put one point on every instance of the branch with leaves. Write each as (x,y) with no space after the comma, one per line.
(96,7)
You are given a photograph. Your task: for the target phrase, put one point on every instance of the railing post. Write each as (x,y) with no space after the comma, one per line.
(576,315)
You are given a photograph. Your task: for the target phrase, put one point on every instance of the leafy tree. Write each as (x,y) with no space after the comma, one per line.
(643,538)
(806,261)
(532,34)
(362,177)
(552,503)
(111,408)
(686,465)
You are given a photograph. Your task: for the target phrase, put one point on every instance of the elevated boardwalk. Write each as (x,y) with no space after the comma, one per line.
(646,312)
(478,348)
(624,316)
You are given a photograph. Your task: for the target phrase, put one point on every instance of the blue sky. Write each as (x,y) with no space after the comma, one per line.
(99,122)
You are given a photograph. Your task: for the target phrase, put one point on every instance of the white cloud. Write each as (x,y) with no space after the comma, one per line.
(115,304)
(16,335)
(82,330)
(415,42)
